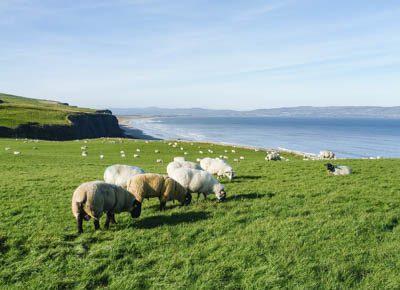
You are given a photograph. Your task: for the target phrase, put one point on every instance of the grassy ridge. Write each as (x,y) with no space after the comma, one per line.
(285,224)
(16,110)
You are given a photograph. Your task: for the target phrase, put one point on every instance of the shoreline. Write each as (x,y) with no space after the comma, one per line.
(124,122)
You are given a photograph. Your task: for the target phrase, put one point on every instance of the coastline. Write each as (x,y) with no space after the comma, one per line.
(124,121)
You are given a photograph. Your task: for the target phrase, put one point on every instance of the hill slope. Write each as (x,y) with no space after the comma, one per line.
(284,224)
(43,119)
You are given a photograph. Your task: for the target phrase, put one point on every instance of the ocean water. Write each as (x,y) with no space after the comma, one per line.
(354,138)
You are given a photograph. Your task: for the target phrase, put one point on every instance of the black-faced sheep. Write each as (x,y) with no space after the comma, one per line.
(92,199)
(155,185)
(338,169)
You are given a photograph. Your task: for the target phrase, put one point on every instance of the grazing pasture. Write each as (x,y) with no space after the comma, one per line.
(285,224)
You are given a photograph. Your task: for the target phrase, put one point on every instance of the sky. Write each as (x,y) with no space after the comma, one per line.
(222,54)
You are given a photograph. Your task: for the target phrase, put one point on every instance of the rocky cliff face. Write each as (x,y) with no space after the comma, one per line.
(82,126)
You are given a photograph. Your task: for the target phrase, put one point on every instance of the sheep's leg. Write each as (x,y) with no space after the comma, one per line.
(79,221)
(198,196)
(96,223)
(205,196)
(113,221)
(109,219)
(162,205)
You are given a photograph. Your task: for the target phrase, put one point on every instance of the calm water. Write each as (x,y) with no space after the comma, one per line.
(347,137)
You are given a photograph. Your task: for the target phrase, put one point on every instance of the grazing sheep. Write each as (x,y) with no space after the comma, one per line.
(155,185)
(241,157)
(338,169)
(84,154)
(7,148)
(136,156)
(120,174)
(273,156)
(185,153)
(159,161)
(122,152)
(137,150)
(123,155)
(200,152)
(101,156)
(198,181)
(178,164)
(17,152)
(235,160)
(92,199)
(218,167)
(326,155)
(156,151)
(233,151)
(84,147)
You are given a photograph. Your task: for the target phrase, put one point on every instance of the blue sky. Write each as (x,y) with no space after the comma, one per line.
(212,54)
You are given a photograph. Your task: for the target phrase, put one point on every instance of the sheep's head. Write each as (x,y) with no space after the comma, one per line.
(183,194)
(330,167)
(219,191)
(136,209)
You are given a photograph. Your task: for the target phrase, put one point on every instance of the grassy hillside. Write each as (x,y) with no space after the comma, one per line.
(16,110)
(284,225)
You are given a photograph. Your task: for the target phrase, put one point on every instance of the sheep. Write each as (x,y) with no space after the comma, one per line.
(101,156)
(17,152)
(120,174)
(178,164)
(338,169)
(156,185)
(123,155)
(122,152)
(273,156)
(159,161)
(185,153)
(92,199)
(199,181)
(200,152)
(326,155)
(179,159)
(241,157)
(84,147)
(7,148)
(218,167)
(156,151)
(136,155)
(137,150)
(84,154)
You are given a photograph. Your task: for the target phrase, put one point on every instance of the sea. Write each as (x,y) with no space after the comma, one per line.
(348,138)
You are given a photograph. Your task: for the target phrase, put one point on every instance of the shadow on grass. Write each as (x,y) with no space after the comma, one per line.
(172,220)
(243,178)
(250,196)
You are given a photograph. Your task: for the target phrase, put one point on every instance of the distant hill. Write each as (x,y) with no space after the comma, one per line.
(322,112)
(46,119)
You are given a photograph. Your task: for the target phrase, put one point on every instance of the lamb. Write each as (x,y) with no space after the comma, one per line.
(120,174)
(338,169)
(199,181)
(218,167)
(155,185)
(327,155)
(92,199)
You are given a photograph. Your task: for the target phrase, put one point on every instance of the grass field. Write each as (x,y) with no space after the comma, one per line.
(16,110)
(284,224)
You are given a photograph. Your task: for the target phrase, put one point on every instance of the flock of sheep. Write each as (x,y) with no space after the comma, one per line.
(125,187)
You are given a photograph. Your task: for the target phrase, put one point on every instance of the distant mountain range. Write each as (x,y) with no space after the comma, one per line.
(315,112)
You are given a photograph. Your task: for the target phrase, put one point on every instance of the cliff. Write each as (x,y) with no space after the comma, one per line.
(38,119)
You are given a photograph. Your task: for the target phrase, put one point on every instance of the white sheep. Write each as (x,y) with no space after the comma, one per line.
(198,181)
(101,156)
(17,152)
(159,161)
(326,155)
(179,164)
(218,167)
(156,151)
(119,174)
(84,154)
(7,148)
(137,150)
(136,155)
(273,156)
(241,157)
(338,169)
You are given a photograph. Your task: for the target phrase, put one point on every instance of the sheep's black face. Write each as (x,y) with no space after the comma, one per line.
(330,167)
(222,196)
(188,199)
(136,209)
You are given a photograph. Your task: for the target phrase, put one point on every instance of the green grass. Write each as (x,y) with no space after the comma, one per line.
(284,225)
(16,110)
